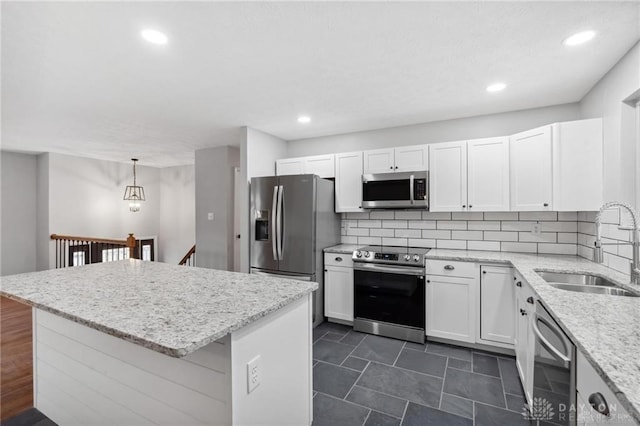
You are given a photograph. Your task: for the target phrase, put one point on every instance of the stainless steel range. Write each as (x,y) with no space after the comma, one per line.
(389,291)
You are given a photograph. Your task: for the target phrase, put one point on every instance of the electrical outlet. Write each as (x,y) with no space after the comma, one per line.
(535,229)
(209,216)
(254,373)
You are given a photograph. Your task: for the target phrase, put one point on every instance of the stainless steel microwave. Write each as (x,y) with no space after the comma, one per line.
(404,190)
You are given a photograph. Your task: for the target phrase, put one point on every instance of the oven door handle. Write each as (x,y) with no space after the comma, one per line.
(566,361)
(389,269)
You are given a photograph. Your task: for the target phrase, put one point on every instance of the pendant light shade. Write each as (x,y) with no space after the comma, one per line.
(134,193)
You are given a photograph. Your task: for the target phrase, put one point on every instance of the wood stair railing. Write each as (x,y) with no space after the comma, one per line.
(189,259)
(75,251)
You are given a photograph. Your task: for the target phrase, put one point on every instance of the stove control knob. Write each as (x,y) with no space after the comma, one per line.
(367,254)
(358,254)
(407,257)
(416,258)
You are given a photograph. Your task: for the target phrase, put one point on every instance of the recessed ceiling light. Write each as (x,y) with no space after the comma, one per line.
(153,36)
(496,87)
(579,38)
(304,119)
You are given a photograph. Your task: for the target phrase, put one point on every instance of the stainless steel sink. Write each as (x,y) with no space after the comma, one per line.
(584,283)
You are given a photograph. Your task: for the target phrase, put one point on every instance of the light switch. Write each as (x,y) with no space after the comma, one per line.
(210,216)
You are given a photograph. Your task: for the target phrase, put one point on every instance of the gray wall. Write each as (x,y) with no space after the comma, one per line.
(214,194)
(438,131)
(177,230)
(18,213)
(42,217)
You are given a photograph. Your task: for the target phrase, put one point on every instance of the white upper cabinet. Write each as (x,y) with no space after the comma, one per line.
(348,168)
(578,165)
(402,159)
(530,170)
(448,176)
(321,165)
(488,174)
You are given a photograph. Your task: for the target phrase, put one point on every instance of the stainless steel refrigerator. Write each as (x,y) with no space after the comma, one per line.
(292,221)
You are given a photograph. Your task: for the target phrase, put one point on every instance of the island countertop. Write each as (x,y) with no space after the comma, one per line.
(170,309)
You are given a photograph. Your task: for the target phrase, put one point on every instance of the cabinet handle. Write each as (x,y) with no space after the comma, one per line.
(464,206)
(598,403)
(530,300)
(449,267)
(523,312)
(546,204)
(470,206)
(428,281)
(326,270)
(484,272)
(519,284)
(391,167)
(338,259)
(396,167)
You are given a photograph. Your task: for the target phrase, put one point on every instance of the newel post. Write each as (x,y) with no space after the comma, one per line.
(131,243)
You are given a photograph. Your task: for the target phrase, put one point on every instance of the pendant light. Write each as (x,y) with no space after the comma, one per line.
(134,194)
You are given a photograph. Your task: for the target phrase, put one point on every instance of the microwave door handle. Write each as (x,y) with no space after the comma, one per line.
(566,361)
(280,223)
(411,194)
(274,220)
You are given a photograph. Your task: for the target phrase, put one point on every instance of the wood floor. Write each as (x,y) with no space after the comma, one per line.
(16,378)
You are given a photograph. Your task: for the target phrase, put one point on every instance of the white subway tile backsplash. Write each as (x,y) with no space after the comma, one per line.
(451,244)
(587,216)
(422,224)
(358,215)
(483,245)
(620,264)
(612,231)
(500,236)
(586,240)
(436,215)
(394,224)
(625,251)
(449,224)
(567,216)
(381,232)
(467,216)
(543,237)
(501,216)
(568,237)
(587,228)
(570,249)
(402,242)
(408,233)
(436,234)
(550,216)
(483,225)
(375,241)
(517,226)
(559,226)
(466,235)
(585,252)
(359,232)
(422,242)
(519,247)
(382,214)
(413,215)
(611,216)
(348,240)
(369,224)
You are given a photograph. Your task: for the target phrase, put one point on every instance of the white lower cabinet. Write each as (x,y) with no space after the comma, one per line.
(338,286)
(524,339)
(451,302)
(497,305)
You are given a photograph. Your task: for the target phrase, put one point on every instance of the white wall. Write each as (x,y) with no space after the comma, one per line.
(214,173)
(258,154)
(18,213)
(438,131)
(606,100)
(177,227)
(42,213)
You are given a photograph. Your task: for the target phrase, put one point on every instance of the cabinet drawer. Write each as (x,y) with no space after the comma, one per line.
(338,259)
(452,268)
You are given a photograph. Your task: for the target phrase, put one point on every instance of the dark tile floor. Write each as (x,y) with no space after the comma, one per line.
(30,417)
(360,379)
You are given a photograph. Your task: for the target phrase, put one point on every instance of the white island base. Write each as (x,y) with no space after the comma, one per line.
(83,376)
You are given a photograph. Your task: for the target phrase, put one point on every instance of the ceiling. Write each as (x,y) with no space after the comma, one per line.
(77,78)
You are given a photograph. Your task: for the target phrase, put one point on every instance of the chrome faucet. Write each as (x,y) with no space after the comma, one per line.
(635,243)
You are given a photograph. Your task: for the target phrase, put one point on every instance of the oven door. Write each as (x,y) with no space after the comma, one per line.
(390,301)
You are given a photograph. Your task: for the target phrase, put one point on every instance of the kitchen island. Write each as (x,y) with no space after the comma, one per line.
(135,342)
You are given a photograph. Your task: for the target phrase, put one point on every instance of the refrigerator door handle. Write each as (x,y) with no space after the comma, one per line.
(279,223)
(274,220)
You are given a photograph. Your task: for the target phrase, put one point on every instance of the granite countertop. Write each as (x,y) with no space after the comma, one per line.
(606,329)
(170,309)
(342,248)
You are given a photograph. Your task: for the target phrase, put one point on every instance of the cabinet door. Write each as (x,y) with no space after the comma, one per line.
(497,304)
(530,170)
(338,293)
(488,174)
(321,165)
(451,308)
(289,166)
(379,161)
(411,158)
(349,182)
(448,177)
(524,340)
